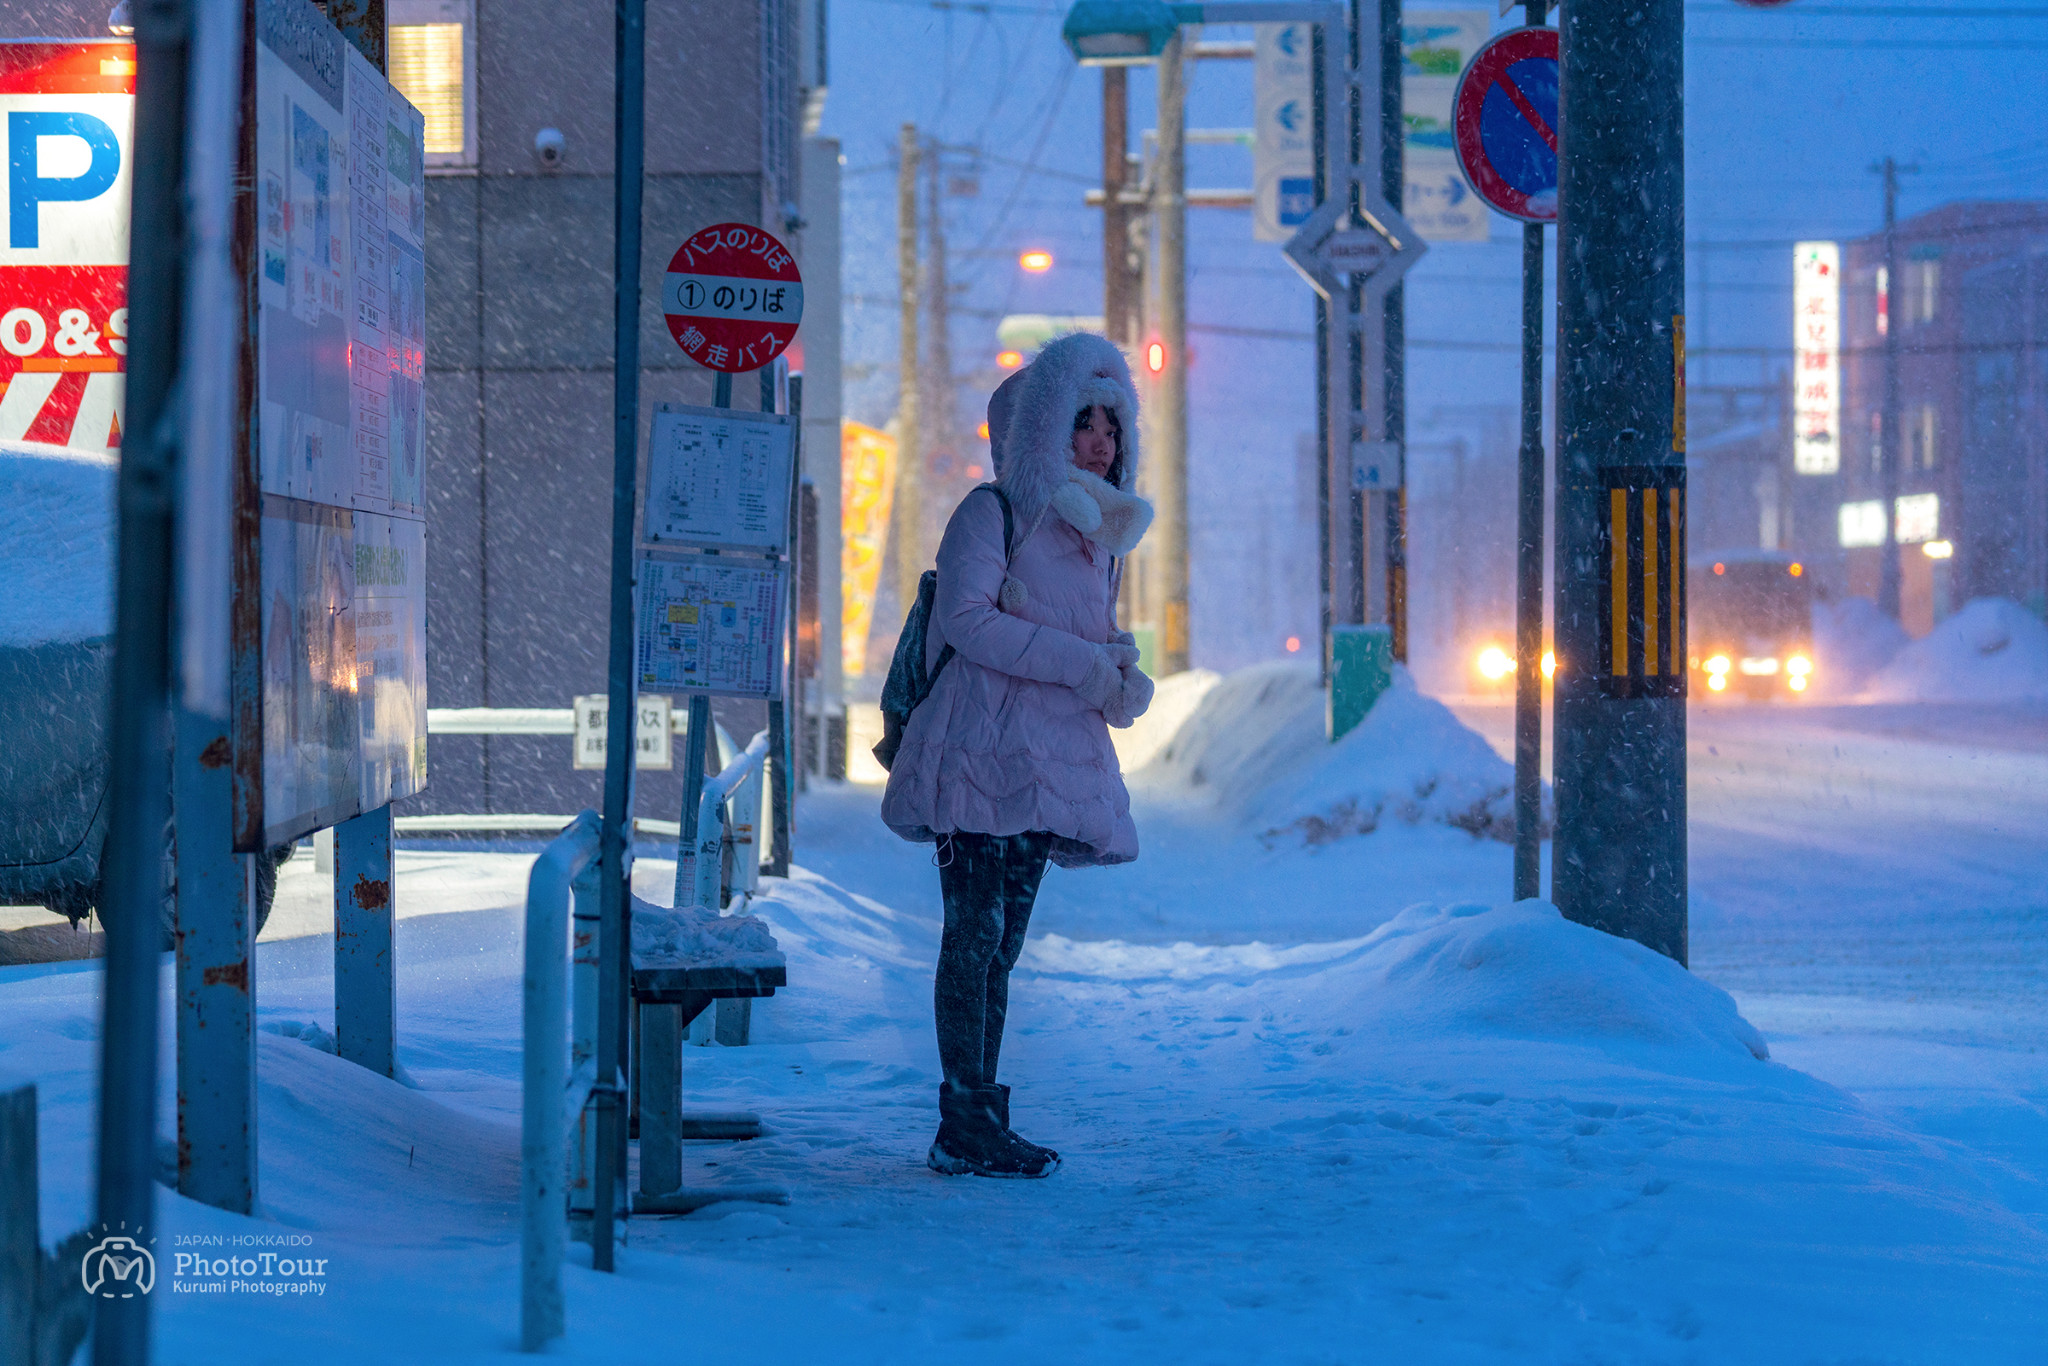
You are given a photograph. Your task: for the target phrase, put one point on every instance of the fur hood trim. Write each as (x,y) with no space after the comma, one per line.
(1102,512)
(1031,420)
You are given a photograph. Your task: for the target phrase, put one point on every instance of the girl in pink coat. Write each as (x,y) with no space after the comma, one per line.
(1007,764)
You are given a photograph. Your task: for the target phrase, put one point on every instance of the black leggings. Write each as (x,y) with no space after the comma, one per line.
(989,883)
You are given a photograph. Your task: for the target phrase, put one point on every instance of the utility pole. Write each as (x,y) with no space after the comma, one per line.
(937,411)
(1620,854)
(1119,307)
(1889,451)
(1169,465)
(1529,563)
(909,508)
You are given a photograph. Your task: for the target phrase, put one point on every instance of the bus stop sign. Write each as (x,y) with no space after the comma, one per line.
(732,297)
(1504,122)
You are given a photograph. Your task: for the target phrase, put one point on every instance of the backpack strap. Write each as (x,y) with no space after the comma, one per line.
(1009,521)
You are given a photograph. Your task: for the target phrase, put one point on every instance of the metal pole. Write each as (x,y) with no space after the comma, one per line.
(781,739)
(1529,565)
(1328,484)
(616,855)
(365,889)
(139,733)
(909,508)
(216,1040)
(1117,310)
(1889,446)
(1393,554)
(1619,862)
(1169,468)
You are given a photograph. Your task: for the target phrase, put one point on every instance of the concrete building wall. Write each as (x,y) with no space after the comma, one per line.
(519,347)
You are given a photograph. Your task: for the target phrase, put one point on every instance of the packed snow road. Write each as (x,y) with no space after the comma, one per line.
(1300,1123)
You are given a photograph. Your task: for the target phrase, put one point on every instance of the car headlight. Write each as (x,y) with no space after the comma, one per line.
(1718,664)
(1799,666)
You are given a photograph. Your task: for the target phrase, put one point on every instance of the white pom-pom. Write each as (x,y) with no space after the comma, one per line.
(1013,595)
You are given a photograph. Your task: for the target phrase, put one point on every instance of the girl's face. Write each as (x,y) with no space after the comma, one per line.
(1095,440)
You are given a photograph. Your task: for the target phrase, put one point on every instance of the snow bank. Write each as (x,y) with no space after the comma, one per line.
(1254,747)
(1993,650)
(56,544)
(694,936)
(1525,972)
(1851,641)
(1173,702)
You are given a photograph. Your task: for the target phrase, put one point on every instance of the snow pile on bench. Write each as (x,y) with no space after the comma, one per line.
(56,544)
(1993,650)
(698,937)
(1254,747)
(1525,972)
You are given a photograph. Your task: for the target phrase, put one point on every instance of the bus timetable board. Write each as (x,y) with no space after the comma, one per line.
(69,115)
(713,570)
(335,606)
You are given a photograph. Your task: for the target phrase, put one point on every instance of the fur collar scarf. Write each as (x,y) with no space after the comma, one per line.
(1101,511)
(1031,424)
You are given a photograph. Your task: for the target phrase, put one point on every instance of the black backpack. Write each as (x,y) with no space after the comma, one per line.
(908,683)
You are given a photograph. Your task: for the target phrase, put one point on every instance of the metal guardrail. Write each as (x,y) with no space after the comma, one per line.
(699,869)
(535,822)
(551,1093)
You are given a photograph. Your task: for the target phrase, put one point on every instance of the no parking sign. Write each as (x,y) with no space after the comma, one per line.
(733,297)
(1505,124)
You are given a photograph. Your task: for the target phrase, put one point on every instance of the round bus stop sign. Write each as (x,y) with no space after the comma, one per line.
(1504,122)
(732,297)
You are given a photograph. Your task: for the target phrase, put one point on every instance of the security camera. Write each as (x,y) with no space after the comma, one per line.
(548,146)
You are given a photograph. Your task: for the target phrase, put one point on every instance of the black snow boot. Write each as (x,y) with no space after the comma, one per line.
(971,1140)
(1002,1109)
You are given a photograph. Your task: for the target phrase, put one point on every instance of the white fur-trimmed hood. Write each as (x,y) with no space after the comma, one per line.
(1031,423)
(1101,511)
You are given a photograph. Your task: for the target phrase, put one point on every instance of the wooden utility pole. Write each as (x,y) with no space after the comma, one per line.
(909,507)
(1119,288)
(937,411)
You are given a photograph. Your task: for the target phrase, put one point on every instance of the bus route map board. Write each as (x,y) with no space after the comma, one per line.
(337,609)
(712,624)
(714,551)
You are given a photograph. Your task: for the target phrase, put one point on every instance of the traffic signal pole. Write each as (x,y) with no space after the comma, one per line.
(1619,861)
(1168,474)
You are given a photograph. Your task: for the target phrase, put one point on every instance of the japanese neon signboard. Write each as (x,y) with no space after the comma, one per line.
(67,111)
(1817,358)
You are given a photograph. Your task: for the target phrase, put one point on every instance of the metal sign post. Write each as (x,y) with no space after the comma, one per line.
(1352,251)
(1619,862)
(1504,126)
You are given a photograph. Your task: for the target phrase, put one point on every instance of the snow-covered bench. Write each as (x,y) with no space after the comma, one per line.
(694,956)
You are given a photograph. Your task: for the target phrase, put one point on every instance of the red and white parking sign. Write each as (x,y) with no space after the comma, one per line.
(69,114)
(733,297)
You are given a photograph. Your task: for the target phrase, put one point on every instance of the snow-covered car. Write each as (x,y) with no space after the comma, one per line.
(56,651)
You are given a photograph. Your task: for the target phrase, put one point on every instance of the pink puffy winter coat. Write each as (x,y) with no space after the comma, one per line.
(1004,744)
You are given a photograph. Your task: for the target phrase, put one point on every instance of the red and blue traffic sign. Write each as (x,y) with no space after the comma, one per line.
(1504,122)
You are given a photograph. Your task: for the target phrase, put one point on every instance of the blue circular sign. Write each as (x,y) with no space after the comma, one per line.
(1504,124)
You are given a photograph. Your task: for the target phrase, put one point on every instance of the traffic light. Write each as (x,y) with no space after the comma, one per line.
(1155,356)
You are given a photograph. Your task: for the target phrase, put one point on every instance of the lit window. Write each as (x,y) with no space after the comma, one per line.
(430,47)
(1917,518)
(1924,280)
(1923,438)
(1861,524)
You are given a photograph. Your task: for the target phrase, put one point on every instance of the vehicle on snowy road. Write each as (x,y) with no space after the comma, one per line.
(56,652)
(1751,622)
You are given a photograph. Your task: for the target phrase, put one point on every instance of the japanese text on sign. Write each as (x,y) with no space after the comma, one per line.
(711,624)
(717,477)
(1816,358)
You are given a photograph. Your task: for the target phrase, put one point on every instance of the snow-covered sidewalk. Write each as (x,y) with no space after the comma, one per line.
(1301,1124)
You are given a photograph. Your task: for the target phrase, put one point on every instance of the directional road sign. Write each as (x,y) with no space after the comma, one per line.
(732,297)
(1504,122)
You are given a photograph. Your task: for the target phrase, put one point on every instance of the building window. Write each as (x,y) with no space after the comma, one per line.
(432,51)
(1923,284)
(1921,452)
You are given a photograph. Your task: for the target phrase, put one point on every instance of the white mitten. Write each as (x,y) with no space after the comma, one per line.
(1105,680)
(1137,691)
